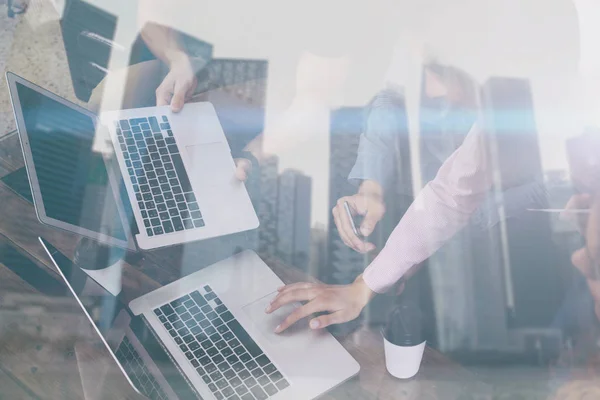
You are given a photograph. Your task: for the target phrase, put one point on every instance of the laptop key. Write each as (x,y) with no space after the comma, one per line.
(181,172)
(204,361)
(221,345)
(271,389)
(212,352)
(205,323)
(154,124)
(275,376)
(177,224)
(223,366)
(263,360)
(282,384)
(269,369)
(259,393)
(235,382)
(189,197)
(168,227)
(218,359)
(221,309)
(167,309)
(227,316)
(199,353)
(211,315)
(222,383)
(210,367)
(198,298)
(251,365)
(173,318)
(201,337)
(232,359)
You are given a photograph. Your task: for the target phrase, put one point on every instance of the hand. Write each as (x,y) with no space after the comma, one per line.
(343,302)
(587,259)
(179,84)
(243,167)
(367,202)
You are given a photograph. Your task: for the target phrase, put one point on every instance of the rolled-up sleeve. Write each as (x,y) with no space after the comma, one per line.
(377,151)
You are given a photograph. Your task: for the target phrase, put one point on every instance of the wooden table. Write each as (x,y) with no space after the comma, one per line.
(40,323)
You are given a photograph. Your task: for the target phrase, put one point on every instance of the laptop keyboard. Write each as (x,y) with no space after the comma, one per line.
(219,348)
(162,188)
(138,372)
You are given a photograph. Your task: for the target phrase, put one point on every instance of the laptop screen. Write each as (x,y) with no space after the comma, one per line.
(104,310)
(72,177)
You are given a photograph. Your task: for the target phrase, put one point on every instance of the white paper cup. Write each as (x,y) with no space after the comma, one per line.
(403,361)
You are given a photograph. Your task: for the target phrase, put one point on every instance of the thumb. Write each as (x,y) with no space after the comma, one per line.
(178,98)
(372,217)
(243,167)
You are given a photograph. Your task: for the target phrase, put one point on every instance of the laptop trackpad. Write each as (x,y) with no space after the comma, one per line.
(267,323)
(211,164)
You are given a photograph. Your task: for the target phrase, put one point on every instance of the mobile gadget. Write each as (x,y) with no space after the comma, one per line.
(213,326)
(147,173)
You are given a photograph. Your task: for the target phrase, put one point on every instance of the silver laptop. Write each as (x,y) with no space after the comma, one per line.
(213,325)
(177,169)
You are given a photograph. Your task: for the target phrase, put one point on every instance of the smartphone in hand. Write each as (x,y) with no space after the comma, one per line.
(353,223)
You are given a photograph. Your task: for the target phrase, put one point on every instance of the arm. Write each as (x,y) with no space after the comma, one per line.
(376,163)
(180,82)
(163,42)
(441,209)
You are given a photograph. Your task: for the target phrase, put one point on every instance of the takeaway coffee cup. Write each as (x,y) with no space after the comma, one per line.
(403,341)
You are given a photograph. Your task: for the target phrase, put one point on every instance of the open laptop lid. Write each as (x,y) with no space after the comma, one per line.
(75,187)
(111,319)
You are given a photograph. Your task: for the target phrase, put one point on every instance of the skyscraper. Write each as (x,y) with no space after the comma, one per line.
(346,125)
(293,218)
(267,207)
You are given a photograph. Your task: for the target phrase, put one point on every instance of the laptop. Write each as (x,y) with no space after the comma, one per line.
(171,175)
(213,326)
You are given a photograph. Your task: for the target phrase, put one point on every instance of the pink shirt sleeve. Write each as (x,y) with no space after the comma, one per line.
(441,209)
